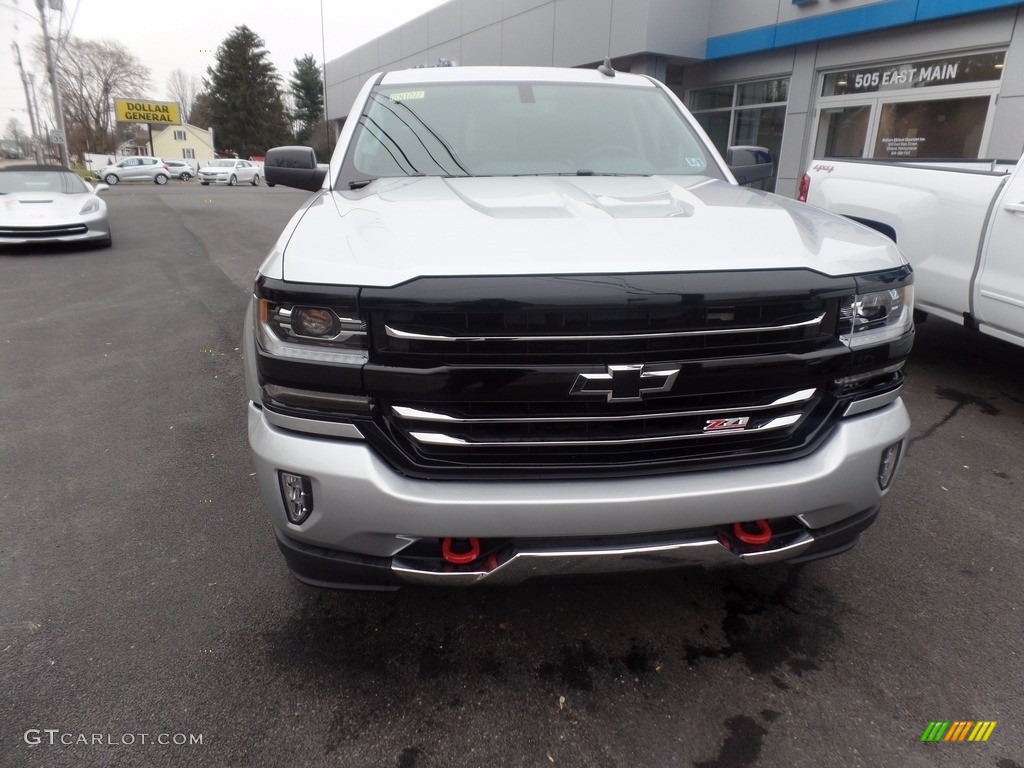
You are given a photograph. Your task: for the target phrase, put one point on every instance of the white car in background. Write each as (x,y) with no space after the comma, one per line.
(180,169)
(136,168)
(230,172)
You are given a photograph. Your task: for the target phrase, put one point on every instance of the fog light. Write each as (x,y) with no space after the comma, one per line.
(887,467)
(297,492)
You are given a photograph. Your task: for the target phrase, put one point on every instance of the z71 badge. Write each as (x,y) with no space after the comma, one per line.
(723,425)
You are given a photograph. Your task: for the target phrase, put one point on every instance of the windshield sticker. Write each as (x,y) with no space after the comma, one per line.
(407,96)
(696,162)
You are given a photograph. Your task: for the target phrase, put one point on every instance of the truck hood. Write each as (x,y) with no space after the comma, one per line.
(396,230)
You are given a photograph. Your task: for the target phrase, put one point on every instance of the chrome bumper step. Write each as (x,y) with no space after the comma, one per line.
(523,564)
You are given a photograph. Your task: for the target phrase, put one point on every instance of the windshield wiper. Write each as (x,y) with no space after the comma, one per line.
(360,183)
(585,172)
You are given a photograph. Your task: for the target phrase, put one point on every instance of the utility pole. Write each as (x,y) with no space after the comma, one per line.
(52,68)
(35,106)
(36,145)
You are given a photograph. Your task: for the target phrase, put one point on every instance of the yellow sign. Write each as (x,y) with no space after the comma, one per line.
(160,112)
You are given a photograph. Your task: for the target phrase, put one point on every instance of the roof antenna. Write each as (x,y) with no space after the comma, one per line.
(323,75)
(606,69)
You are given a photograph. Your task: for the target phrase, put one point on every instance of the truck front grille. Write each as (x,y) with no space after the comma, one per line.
(616,375)
(583,333)
(548,437)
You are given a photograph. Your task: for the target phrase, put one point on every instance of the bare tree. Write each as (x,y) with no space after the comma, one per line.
(14,131)
(90,74)
(184,88)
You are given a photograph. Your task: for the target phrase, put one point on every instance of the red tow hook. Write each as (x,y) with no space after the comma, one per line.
(762,536)
(463,556)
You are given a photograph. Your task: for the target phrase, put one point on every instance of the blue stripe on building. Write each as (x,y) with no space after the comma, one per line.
(868,18)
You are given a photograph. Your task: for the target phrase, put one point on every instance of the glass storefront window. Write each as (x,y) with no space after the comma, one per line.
(933,109)
(842,131)
(940,128)
(979,67)
(761,126)
(763,92)
(711,98)
(745,113)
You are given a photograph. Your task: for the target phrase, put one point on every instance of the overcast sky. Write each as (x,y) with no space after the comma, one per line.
(185,34)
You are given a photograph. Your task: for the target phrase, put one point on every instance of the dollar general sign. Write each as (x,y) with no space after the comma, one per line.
(160,112)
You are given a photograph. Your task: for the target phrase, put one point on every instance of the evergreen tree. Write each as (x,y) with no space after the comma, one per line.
(245,96)
(307,87)
(201,113)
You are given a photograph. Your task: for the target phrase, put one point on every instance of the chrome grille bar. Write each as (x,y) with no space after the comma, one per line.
(435,438)
(398,333)
(416,414)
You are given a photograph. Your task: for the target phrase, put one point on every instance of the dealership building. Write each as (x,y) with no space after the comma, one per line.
(908,79)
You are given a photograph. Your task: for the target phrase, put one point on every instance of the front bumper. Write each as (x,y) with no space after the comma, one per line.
(93,236)
(530,559)
(366,516)
(97,230)
(213,179)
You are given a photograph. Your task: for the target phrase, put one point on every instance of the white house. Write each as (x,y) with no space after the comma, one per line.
(184,142)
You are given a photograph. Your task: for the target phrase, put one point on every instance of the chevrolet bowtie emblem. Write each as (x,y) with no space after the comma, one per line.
(624,383)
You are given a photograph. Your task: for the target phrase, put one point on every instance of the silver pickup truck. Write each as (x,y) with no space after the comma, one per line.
(529,324)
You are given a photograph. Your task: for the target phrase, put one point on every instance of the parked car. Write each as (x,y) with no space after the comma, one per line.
(229,172)
(11,150)
(50,204)
(180,169)
(136,168)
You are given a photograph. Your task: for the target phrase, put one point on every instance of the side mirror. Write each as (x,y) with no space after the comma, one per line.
(100,188)
(750,164)
(293,167)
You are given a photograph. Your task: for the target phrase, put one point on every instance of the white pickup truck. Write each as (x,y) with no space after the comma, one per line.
(961,224)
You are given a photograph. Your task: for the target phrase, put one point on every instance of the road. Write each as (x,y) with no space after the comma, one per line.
(144,599)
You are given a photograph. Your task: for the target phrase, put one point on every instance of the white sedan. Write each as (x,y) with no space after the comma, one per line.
(230,172)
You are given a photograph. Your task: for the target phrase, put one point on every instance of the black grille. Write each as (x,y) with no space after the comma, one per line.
(44,232)
(642,437)
(483,377)
(581,334)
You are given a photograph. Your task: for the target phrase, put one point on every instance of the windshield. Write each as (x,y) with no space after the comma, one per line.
(62,182)
(223,163)
(489,129)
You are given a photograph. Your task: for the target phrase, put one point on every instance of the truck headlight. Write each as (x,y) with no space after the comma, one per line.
(876,317)
(310,333)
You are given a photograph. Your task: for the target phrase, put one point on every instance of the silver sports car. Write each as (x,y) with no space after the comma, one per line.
(50,204)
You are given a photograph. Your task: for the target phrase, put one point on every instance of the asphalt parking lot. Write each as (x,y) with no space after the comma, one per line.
(144,597)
